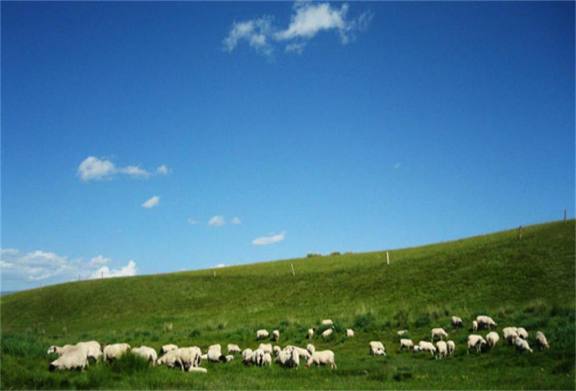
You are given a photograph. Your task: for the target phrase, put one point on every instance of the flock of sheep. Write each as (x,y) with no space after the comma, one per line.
(78,356)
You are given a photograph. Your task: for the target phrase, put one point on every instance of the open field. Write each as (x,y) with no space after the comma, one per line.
(526,282)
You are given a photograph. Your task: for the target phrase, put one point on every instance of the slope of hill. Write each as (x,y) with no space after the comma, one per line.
(528,281)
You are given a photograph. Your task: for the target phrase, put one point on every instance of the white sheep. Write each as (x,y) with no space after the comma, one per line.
(288,358)
(146,353)
(475,342)
(522,345)
(247,355)
(377,348)
(522,333)
(73,358)
(327,333)
(233,348)
(93,349)
(276,350)
(425,346)
(262,334)
(474,326)
(215,353)
(456,322)
(310,348)
(267,359)
(324,357)
(442,350)
(492,339)
(60,350)
(266,347)
(258,357)
(349,332)
(439,332)
(303,353)
(451,347)
(229,358)
(115,351)
(166,348)
(310,334)
(275,335)
(171,359)
(485,321)
(327,322)
(406,343)
(189,357)
(510,334)
(541,340)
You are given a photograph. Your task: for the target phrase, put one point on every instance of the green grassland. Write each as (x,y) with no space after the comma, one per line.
(528,281)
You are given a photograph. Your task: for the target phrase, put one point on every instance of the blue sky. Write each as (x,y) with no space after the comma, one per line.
(141,138)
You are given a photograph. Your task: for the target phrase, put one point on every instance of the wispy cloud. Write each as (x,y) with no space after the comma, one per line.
(271,239)
(151,202)
(236,221)
(220,265)
(95,169)
(307,20)
(192,221)
(397,165)
(40,265)
(217,221)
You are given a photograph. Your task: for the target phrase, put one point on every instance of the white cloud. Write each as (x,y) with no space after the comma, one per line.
(106,272)
(307,20)
(99,261)
(151,202)
(162,170)
(40,265)
(216,221)
(236,220)
(192,221)
(93,169)
(255,32)
(266,240)
(220,265)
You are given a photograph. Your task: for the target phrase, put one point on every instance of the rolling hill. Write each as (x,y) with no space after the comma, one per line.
(528,281)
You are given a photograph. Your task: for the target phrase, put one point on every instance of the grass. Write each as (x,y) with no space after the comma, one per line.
(528,282)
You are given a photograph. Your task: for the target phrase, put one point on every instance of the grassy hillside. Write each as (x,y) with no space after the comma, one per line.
(528,281)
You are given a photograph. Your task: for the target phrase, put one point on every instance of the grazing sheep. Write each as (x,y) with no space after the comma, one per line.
(377,348)
(476,342)
(327,322)
(474,326)
(510,334)
(456,322)
(266,347)
(276,350)
(485,321)
(190,357)
(327,333)
(229,358)
(416,348)
(522,345)
(275,335)
(73,358)
(146,353)
(166,348)
(324,357)
(310,334)
(266,359)
(406,343)
(442,350)
(541,340)
(349,332)
(522,333)
(247,356)
(451,347)
(492,339)
(171,359)
(425,346)
(258,357)
(402,332)
(303,353)
(233,348)
(215,353)
(289,358)
(59,350)
(115,351)
(262,334)
(310,348)
(439,332)
(204,356)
